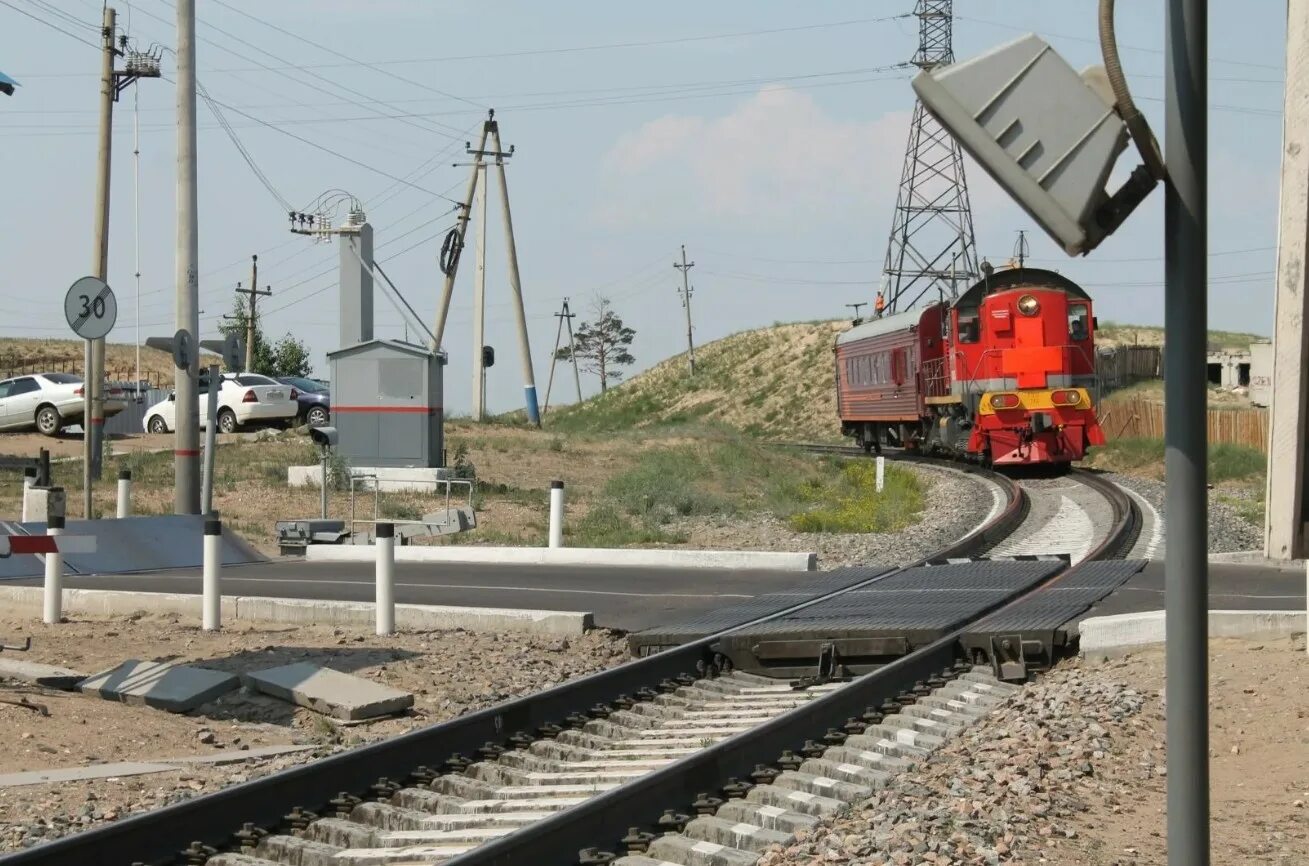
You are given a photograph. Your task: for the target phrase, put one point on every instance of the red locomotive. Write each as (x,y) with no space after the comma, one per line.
(1004,374)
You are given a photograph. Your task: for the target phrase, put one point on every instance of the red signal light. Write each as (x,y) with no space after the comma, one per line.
(1005,401)
(250,397)
(1065,398)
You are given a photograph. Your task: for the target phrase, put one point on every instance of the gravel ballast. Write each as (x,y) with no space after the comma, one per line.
(1228,530)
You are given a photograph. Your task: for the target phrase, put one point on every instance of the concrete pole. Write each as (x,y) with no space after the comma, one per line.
(461,229)
(322,493)
(53,607)
(685,268)
(186,450)
(385,579)
(29,480)
(93,397)
(529,377)
(211,610)
(556,514)
(572,352)
(211,440)
(124,494)
(1186,504)
(1284,513)
(479,302)
(250,315)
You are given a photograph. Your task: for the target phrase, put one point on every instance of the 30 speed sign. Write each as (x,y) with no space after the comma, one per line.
(90,308)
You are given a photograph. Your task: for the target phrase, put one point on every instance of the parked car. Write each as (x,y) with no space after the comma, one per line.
(243,398)
(49,402)
(315,400)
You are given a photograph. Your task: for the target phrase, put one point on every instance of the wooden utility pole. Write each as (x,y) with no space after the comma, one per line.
(250,325)
(563,316)
(572,350)
(685,292)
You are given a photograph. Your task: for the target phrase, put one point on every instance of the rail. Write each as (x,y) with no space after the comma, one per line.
(188,832)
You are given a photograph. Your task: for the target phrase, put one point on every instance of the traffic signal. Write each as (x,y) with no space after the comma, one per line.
(488,356)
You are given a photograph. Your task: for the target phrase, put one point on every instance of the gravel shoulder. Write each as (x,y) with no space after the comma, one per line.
(450,673)
(1072,770)
(955,503)
(1229,531)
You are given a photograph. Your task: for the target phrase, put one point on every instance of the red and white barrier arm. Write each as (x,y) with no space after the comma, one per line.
(30,544)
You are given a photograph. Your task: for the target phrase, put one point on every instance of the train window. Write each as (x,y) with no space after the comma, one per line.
(968,328)
(898,366)
(1078,319)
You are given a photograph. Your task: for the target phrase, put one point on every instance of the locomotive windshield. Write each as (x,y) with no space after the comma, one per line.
(1078,322)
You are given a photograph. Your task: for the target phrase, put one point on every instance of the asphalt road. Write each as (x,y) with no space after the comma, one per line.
(627,599)
(1231,587)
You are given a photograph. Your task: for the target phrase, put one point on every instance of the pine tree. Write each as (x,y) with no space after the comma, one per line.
(601,345)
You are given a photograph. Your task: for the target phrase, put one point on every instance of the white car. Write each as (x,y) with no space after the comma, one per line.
(243,398)
(49,402)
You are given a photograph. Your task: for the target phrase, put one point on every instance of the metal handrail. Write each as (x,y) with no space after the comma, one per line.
(377,495)
(971,379)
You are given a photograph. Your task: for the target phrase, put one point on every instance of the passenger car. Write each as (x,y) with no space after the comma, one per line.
(243,398)
(1004,374)
(314,398)
(49,402)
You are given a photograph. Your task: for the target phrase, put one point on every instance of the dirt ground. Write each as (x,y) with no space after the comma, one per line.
(449,673)
(1259,763)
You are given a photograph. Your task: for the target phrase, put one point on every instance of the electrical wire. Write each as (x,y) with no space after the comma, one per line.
(49,24)
(241,148)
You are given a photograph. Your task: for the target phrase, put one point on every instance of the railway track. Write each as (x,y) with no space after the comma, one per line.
(717,762)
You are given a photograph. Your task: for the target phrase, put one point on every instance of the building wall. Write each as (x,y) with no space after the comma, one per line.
(1261,373)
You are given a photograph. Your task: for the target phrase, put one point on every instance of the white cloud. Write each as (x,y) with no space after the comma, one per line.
(777,156)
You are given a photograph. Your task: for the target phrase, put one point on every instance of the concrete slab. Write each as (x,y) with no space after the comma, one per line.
(385,478)
(167,686)
(329,692)
(81,774)
(623,557)
(1108,636)
(408,617)
(234,756)
(145,543)
(50,676)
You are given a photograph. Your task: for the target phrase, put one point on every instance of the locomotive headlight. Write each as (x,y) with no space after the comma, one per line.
(1028,306)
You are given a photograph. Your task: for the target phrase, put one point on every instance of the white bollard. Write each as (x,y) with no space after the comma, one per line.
(881,473)
(556,514)
(54,576)
(29,479)
(124,493)
(385,597)
(213,568)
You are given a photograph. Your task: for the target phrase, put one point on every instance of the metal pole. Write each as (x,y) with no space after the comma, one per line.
(1186,577)
(211,611)
(556,514)
(479,301)
(572,351)
(461,230)
(384,599)
(186,450)
(211,440)
(93,398)
(529,378)
(322,493)
(124,494)
(53,601)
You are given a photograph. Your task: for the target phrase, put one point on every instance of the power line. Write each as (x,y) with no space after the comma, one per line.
(245,154)
(49,24)
(373,66)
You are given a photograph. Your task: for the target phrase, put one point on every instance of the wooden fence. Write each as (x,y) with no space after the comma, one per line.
(11,366)
(1125,365)
(1132,417)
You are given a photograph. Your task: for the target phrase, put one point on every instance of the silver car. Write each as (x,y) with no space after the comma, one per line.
(48,402)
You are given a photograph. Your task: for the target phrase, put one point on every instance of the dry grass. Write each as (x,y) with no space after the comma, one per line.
(21,355)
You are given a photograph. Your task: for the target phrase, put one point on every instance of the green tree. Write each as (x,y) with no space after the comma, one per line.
(287,357)
(601,345)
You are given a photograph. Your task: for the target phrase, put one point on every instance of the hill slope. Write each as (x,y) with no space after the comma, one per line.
(774,382)
(35,356)
(1116,334)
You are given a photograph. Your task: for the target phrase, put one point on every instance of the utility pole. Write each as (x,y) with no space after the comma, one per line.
(563,316)
(450,267)
(1021,250)
(479,302)
(186,448)
(1288,468)
(856,307)
(112,83)
(250,322)
(1186,502)
(686,290)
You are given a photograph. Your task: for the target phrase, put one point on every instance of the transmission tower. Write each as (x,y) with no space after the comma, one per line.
(931,250)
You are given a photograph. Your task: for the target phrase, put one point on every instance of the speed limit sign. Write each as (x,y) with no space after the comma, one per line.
(90,308)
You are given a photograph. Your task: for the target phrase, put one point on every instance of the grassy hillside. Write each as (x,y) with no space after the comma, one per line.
(1118,334)
(775,382)
(19,355)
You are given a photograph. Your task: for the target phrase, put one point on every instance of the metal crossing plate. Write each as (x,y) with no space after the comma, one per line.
(1064,600)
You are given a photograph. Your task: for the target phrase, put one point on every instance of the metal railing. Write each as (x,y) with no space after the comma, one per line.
(448,483)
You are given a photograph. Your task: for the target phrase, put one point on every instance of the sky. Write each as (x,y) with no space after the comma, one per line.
(768,137)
